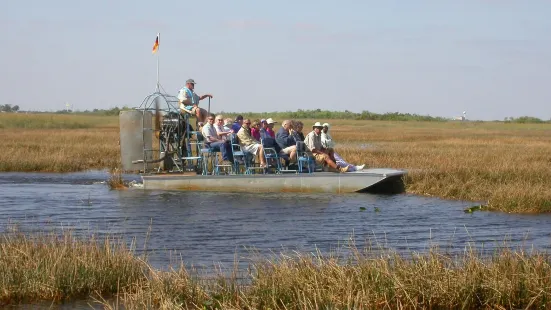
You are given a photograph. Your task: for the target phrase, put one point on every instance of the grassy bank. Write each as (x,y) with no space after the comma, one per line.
(55,268)
(505,165)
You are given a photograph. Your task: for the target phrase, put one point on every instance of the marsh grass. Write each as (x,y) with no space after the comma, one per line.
(502,165)
(52,150)
(63,267)
(54,121)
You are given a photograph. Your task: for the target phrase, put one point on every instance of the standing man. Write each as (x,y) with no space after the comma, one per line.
(189,101)
(321,154)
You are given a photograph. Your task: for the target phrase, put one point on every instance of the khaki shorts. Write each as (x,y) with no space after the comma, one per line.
(320,158)
(288,149)
(251,148)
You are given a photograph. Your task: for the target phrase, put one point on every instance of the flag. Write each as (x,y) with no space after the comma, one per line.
(156,45)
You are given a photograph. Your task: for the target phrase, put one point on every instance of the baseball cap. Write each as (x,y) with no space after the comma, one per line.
(270,121)
(239,118)
(192,81)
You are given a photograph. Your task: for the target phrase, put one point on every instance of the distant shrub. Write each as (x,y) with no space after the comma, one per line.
(526,119)
(324,114)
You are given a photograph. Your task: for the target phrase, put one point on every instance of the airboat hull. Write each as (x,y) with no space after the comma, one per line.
(368,180)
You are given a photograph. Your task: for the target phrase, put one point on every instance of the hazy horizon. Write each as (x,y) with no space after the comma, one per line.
(439,58)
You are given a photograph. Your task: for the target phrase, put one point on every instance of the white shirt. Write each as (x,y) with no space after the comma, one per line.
(209,133)
(327,140)
(219,129)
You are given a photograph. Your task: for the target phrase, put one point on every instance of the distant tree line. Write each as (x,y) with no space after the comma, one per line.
(325,114)
(525,120)
(9,108)
(302,114)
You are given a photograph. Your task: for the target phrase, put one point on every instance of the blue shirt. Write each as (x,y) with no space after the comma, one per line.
(235,127)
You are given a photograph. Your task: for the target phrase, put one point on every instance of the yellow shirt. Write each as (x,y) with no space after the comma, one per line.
(245,137)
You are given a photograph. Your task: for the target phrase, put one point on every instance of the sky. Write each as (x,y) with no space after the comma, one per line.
(490,58)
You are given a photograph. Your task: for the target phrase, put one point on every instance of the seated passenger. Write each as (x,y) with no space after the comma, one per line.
(255,129)
(321,155)
(298,126)
(237,124)
(328,143)
(222,131)
(249,144)
(223,135)
(285,138)
(270,127)
(213,141)
(227,124)
(189,101)
(263,126)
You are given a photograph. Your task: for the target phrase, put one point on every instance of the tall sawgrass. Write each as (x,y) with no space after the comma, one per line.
(63,267)
(504,165)
(53,150)
(54,121)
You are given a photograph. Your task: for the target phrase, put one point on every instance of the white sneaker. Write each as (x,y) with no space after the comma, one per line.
(360,167)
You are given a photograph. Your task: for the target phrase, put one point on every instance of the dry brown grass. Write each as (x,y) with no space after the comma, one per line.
(59,150)
(50,267)
(504,165)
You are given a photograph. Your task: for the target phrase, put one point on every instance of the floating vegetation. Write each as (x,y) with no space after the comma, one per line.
(362,209)
(475,208)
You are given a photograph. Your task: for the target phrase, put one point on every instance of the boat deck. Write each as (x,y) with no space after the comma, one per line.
(331,182)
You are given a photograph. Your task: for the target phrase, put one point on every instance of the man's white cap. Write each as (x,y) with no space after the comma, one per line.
(270,121)
(326,125)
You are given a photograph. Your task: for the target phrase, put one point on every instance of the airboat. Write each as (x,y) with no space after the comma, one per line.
(162,145)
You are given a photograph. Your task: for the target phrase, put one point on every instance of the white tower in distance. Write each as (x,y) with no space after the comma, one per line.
(461,118)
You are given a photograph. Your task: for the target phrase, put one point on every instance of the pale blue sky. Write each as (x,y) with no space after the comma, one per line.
(490,58)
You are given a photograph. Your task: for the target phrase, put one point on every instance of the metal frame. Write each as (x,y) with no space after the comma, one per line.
(172,130)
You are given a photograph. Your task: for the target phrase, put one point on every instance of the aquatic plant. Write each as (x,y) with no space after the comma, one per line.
(59,267)
(115,179)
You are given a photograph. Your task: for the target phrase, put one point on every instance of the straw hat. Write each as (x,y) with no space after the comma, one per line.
(326,125)
(317,124)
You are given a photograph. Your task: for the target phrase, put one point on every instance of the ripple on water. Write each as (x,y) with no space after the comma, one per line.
(204,228)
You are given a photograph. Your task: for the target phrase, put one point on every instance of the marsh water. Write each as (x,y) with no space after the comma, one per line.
(205,229)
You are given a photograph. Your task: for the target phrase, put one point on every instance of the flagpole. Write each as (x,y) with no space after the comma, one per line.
(158,85)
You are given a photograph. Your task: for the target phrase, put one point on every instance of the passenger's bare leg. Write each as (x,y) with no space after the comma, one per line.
(261,155)
(201,114)
(330,162)
(293,155)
